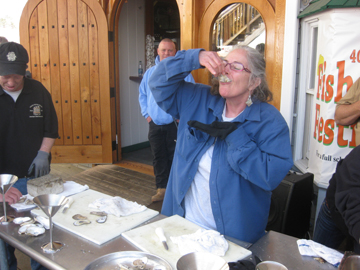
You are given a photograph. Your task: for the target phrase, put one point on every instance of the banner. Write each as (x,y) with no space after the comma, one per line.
(338,67)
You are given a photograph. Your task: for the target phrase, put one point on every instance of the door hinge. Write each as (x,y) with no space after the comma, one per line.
(113,145)
(112,92)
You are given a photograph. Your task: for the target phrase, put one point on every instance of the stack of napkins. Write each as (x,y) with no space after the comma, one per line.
(202,241)
(314,249)
(117,206)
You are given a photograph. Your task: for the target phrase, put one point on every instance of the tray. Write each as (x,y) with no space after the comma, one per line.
(112,260)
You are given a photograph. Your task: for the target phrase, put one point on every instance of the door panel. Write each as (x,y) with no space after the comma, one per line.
(68,47)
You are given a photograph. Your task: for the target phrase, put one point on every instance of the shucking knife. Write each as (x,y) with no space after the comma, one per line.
(68,204)
(160,233)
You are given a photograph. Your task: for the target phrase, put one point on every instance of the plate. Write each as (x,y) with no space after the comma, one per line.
(111,261)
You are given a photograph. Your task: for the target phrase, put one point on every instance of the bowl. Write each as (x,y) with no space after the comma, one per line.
(270,265)
(201,261)
(350,262)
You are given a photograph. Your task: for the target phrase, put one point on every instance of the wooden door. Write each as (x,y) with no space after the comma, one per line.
(67,42)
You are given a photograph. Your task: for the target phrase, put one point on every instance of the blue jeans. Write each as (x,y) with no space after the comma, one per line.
(326,231)
(21,185)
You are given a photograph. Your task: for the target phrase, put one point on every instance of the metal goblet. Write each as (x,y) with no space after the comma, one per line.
(6,182)
(50,204)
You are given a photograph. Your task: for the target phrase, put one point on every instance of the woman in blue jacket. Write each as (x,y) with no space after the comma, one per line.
(233,148)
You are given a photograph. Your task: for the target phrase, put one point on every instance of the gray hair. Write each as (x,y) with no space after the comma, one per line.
(3,40)
(256,64)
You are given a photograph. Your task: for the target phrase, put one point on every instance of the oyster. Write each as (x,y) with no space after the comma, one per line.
(224,78)
(44,221)
(22,199)
(31,221)
(23,229)
(98,213)
(101,219)
(34,230)
(28,202)
(20,220)
(140,263)
(82,222)
(79,217)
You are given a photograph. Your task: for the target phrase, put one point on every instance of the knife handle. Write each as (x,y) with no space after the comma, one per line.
(160,233)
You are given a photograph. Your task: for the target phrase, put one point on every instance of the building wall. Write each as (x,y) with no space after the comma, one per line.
(131,48)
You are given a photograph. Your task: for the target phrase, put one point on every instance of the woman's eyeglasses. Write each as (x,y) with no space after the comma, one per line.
(236,66)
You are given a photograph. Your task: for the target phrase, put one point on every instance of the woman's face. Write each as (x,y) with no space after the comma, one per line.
(238,88)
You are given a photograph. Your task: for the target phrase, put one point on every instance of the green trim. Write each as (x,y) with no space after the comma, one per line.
(135,147)
(317,6)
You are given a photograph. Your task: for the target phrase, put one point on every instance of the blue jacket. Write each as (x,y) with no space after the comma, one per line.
(245,167)
(147,102)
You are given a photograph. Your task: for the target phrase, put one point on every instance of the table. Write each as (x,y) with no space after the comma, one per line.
(79,252)
(283,248)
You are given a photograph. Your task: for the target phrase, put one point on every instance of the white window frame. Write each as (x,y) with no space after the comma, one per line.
(305,94)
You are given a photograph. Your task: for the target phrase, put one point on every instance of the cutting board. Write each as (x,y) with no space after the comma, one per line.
(96,232)
(145,239)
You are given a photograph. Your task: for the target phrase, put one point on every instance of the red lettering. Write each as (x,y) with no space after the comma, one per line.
(317,113)
(342,80)
(321,127)
(320,68)
(329,131)
(329,90)
(352,56)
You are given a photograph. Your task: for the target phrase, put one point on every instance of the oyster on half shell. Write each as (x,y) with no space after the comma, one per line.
(224,78)
(81,222)
(35,230)
(79,217)
(20,220)
(140,263)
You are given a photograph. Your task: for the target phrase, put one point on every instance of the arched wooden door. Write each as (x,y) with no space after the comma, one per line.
(67,41)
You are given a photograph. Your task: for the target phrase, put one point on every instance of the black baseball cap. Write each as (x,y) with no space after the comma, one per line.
(13,59)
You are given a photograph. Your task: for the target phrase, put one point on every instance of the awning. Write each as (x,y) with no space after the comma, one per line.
(320,5)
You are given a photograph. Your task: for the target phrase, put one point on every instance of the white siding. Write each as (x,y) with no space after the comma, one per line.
(134,128)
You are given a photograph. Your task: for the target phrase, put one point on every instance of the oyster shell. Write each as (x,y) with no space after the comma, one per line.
(44,221)
(23,229)
(20,220)
(140,263)
(98,213)
(81,222)
(79,217)
(101,219)
(34,230)
(224,78)
(31,221)
(22,199)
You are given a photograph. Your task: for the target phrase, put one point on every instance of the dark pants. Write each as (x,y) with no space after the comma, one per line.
(162,143)
(328,233)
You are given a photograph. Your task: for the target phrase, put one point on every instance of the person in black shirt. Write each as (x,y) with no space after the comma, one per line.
(28,125)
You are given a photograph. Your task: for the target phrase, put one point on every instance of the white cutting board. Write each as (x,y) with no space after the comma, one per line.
(96,232)
(145,239)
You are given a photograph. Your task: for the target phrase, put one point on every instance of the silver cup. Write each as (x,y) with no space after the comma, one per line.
(50,204)
(6,182)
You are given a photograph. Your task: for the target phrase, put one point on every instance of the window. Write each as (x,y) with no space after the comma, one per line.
(305,95)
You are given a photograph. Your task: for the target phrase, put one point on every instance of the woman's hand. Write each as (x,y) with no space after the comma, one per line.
(13,195)
(212,61)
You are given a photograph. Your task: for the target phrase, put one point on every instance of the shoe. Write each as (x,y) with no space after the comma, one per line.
(159,196)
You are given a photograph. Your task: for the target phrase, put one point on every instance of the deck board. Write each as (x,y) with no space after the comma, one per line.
(117,181)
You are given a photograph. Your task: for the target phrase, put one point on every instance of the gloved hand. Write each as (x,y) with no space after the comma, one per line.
(41,164)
